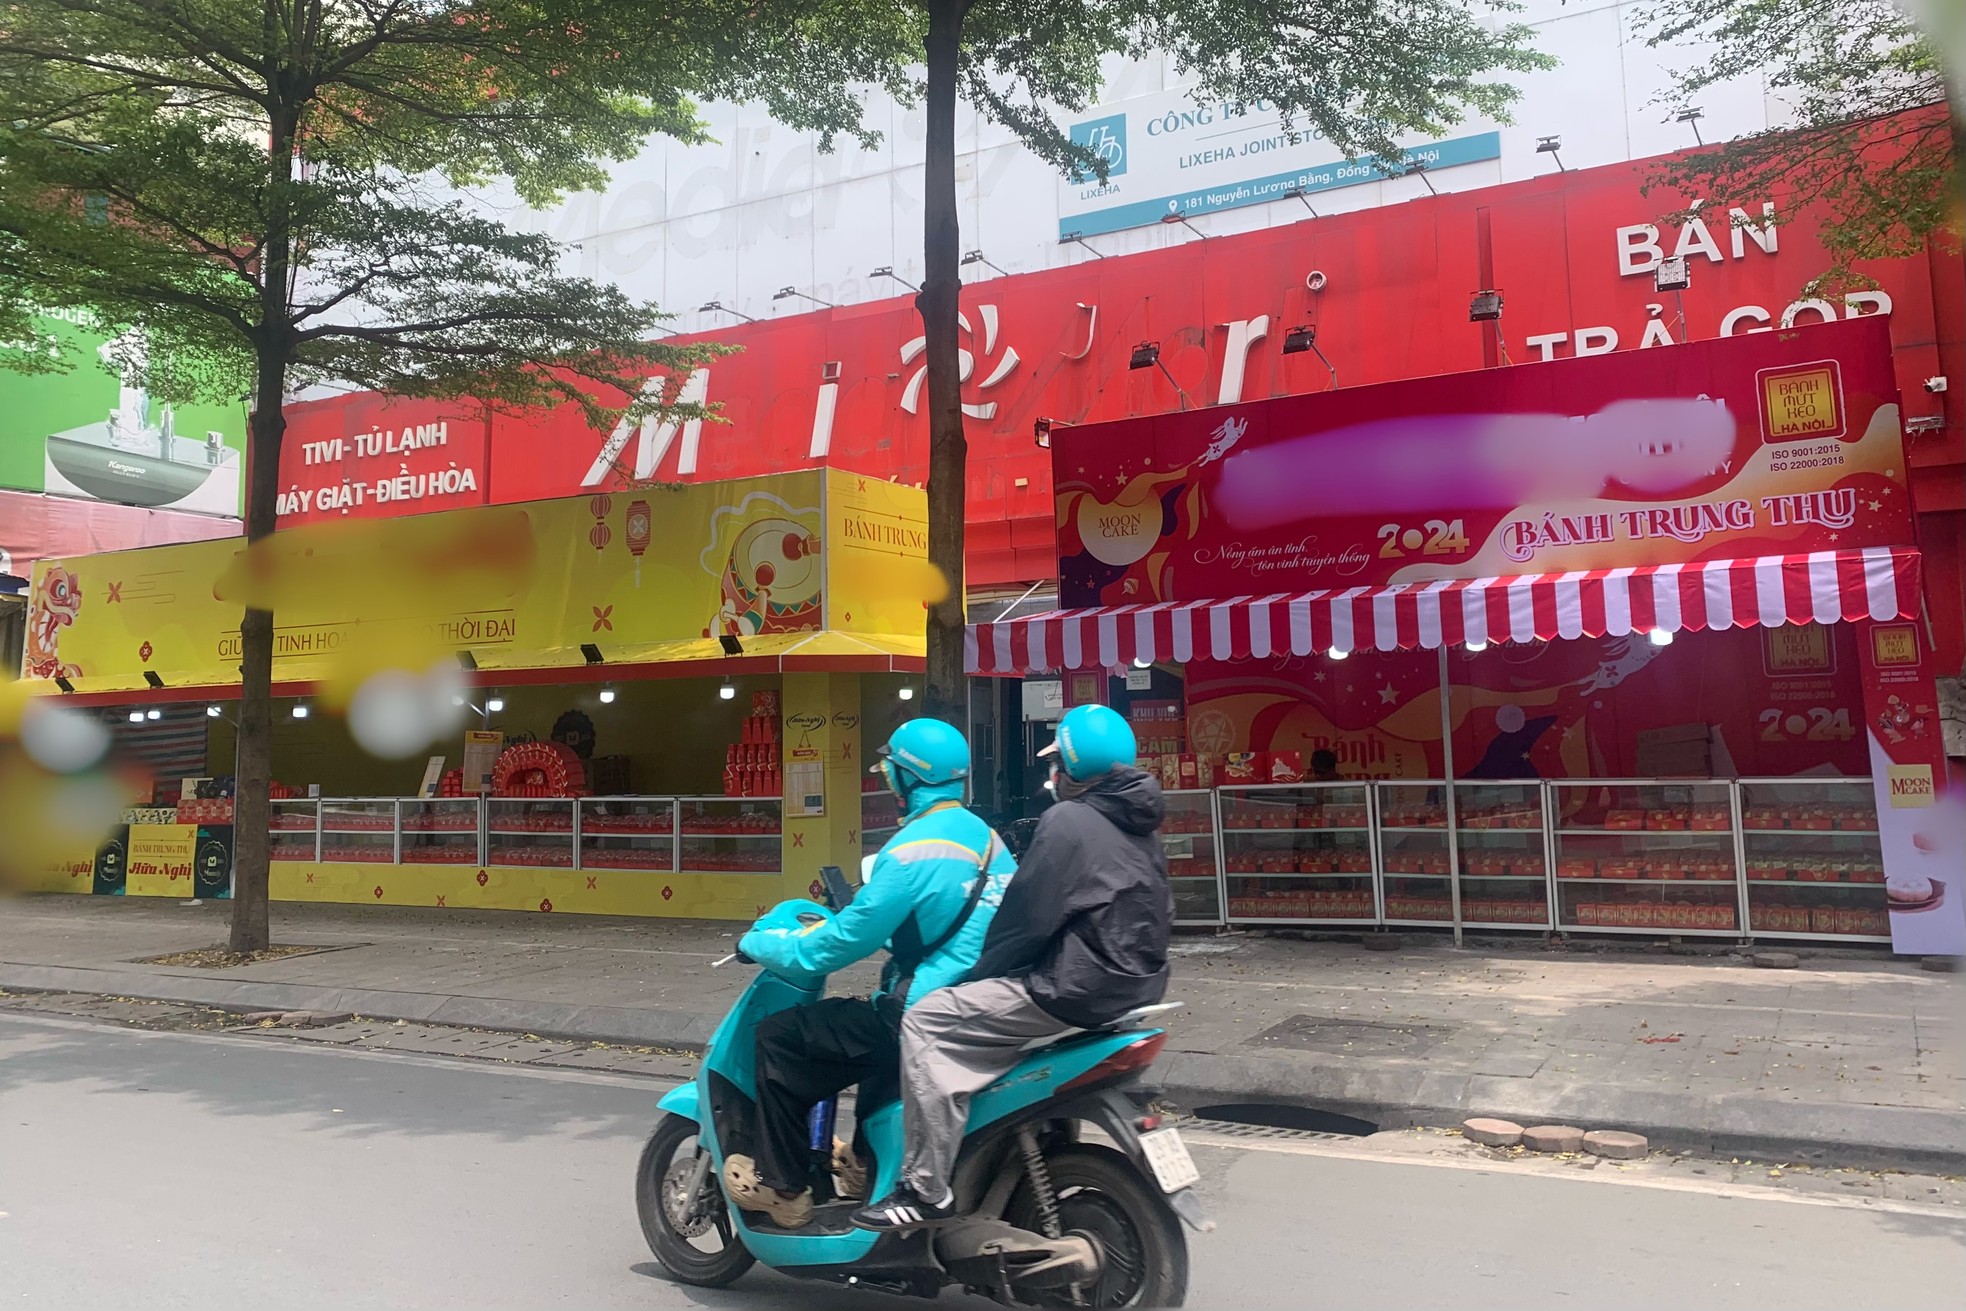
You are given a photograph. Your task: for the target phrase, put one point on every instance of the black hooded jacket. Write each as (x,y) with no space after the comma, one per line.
(1086,921)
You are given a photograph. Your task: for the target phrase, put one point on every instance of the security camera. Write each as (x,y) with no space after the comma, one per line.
(1936,385)
(1315,280)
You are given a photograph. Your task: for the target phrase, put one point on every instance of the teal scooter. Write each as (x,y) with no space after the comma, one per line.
(1054,1216)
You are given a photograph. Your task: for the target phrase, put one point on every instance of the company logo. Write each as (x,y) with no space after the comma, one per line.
(1106,139)
(911,397)
(1911,786)
(806,723)
(1893,645)
(1800,403)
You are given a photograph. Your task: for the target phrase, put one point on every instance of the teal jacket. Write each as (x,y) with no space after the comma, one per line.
(920,882)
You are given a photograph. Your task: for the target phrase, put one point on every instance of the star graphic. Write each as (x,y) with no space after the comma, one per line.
(603,619)
(1834,536)
(1318,676)
(1877,505)
(1388,694)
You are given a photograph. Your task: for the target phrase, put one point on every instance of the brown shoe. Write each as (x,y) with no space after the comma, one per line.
(849,1174)
(748,1193)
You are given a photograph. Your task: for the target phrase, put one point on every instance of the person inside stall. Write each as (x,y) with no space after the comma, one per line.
(1324,766)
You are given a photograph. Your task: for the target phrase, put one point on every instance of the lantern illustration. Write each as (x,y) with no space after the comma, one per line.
(638,534)
(600,534)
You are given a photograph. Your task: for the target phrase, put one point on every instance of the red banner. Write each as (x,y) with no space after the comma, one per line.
(1921,802)
(1781,443)
(368,456)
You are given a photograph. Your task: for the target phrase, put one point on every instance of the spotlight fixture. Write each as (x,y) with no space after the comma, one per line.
(1551,146)
(1475,648)
(731,646)
(1338,653)
(721,308)
(300,711)
(978,257)
(136,716)
(591,653)
(1182,219)
(607,696)
(1485,307)
(887,271)
(1660,637)
(150,677)
(1298,193)
(212,712)
(1138,663)
(494,704)
(1147,356)
(785,293)
(1673,274)
(1041,433)
(1691,116)
(1304,338)
(727,691)
(1077,239)
(906,693)
(465,660)
(61,681)
(153,714)
(1418,168)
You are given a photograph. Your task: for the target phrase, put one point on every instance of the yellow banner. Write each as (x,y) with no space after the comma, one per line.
(161,860)
(651,574)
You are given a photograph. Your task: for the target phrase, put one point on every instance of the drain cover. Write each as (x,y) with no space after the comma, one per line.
(1276,1121)
(1316,1033)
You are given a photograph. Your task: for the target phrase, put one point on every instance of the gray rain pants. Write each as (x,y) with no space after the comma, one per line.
(955,1042)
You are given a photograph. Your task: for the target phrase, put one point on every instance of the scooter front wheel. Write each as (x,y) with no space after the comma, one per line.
(682,1209)
(1143,1253)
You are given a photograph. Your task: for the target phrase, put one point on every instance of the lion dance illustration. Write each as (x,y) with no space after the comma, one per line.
(57,600)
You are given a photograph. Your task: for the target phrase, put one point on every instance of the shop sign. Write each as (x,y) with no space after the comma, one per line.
(94,433)
(36,527)
(519,586)
(162,860)
(369,456)
(1573,255)
(1719,449)
(1169,154)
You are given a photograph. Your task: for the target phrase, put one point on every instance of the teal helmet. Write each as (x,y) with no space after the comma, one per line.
(1093,740)
(924,751)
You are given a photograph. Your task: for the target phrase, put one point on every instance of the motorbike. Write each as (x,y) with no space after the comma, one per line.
(1050,1215)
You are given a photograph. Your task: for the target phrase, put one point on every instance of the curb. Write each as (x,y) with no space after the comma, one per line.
(1390,1095)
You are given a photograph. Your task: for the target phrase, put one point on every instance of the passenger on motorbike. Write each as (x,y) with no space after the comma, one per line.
(933,890)
(1080,940)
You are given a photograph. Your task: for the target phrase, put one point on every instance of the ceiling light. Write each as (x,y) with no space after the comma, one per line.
(906,693)
(1660,637)
(728,691)
(300,711)
(494,704)
(212,712)
(607,696)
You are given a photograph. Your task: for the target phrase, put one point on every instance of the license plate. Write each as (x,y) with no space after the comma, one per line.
(1167,1157)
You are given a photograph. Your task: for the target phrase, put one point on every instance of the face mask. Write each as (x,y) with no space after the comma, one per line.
(1051,783)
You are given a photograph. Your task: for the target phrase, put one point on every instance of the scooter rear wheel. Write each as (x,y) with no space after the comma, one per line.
(674,1222)
(1102,1195)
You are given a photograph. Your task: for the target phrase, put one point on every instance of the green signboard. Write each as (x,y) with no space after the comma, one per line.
(94,433)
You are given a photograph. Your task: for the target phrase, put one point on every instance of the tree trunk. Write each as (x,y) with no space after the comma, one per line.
(252,809)
(939,302)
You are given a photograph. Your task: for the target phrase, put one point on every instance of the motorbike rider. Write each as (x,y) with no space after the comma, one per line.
(933,891)
(1080,940)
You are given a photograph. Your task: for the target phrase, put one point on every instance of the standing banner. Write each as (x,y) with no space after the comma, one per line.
(162,860)
(1921,801)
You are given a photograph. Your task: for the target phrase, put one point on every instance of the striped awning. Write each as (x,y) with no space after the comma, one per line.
(1765,591)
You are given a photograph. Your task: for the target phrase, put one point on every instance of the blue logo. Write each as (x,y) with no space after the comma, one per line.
(1106,139)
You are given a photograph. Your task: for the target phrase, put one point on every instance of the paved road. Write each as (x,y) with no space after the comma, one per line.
(226,1172)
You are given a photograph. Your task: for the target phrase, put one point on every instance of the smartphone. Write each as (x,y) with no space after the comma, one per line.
(838,891)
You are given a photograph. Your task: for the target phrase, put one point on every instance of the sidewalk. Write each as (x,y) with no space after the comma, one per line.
(1860,1061)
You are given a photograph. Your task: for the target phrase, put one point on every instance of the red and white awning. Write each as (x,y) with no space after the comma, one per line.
(1766,591)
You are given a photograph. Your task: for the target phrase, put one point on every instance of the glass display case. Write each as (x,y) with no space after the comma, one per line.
(1188,838)
(1502,839)
(1414,853)
(529,832)
(1813,864)
(359,830)
(1646,857)
(880,819)
(441,831)
(295,830)
(628,833)
(1298,853)
(730,835)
